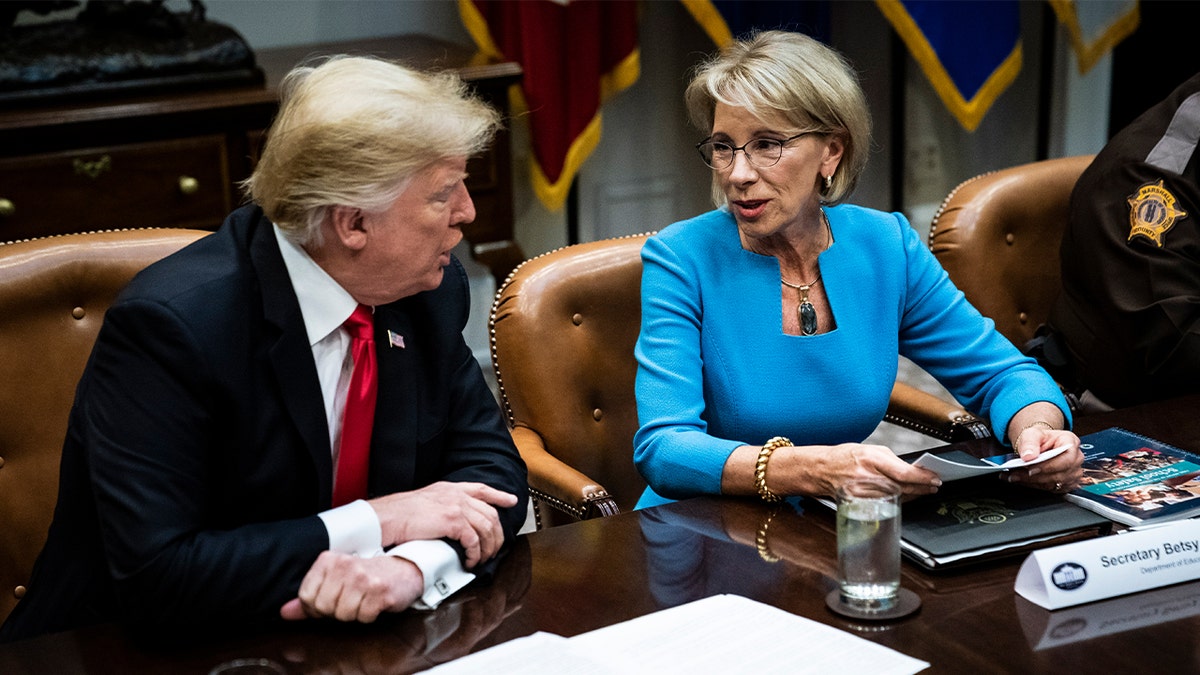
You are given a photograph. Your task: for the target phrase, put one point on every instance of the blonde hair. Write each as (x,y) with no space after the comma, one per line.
(353,131)
(789,74)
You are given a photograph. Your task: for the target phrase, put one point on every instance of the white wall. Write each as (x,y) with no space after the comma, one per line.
(283,23)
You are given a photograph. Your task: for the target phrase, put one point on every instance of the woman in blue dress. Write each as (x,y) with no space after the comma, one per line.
(772,326)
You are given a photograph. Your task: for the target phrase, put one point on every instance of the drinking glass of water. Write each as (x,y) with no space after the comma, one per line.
(868,545)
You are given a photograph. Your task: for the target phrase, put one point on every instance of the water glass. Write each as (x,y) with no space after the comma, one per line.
(868,545)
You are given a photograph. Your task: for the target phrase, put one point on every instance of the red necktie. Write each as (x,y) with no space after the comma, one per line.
(350,481)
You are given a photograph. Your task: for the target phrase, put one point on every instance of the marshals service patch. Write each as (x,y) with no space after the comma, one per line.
(1152,212)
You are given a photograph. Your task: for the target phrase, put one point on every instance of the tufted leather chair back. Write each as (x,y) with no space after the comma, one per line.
(998,237)
(53,295)
(563,329)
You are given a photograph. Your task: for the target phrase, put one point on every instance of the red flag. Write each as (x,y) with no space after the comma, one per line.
(575,54)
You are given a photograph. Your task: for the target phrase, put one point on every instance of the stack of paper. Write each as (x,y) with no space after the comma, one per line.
(719,634)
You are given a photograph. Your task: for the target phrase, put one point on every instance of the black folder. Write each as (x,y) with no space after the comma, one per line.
(985,518)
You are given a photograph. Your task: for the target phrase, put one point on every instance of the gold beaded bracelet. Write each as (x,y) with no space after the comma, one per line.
(760,468)
(1029,426)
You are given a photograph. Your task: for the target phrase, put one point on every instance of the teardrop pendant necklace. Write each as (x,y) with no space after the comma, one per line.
(805,311)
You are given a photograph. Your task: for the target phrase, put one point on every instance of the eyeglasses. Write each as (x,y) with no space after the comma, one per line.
(762,153)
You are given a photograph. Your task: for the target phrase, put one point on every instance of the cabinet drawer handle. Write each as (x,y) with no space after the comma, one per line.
(7,208)
(94,168)
(188,185)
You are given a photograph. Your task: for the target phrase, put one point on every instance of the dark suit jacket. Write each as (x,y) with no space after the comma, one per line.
(197,454)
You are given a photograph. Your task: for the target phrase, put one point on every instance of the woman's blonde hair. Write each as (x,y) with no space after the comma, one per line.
(789,74)
(353,131)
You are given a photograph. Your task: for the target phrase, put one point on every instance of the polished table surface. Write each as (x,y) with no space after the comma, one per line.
(575,578)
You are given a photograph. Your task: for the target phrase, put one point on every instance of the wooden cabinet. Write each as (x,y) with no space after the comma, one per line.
(182,183)
(175,159)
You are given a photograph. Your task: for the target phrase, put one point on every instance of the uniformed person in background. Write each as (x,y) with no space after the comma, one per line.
(1128,318)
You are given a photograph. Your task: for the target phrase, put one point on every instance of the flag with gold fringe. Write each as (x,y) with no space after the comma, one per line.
(969,51)
(1096,26)
(575,54)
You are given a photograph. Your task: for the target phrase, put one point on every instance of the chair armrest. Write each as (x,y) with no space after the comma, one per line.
(558,484)
(933,416)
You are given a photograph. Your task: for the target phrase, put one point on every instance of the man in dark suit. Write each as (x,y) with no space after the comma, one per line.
(203,463)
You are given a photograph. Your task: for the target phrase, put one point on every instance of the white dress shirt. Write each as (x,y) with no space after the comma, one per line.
(354,528)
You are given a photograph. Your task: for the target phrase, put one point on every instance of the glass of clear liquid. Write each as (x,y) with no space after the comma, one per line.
(868,545)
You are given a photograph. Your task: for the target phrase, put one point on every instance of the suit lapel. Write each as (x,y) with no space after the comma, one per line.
(397,406)
(291,356)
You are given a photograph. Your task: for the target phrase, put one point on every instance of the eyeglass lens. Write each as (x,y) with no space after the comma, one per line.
(762,153)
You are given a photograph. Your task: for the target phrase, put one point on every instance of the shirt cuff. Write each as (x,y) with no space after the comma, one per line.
(354,529)
(439,564)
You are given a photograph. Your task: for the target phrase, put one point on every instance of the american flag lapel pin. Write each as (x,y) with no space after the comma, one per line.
(395,340)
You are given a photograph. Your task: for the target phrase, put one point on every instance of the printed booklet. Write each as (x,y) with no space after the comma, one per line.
(1133,479)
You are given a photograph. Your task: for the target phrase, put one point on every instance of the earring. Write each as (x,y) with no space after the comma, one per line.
(828,181)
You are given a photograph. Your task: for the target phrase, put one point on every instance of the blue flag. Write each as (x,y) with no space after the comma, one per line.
(970,51)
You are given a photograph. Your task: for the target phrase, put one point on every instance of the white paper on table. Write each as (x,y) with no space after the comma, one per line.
(733,634)
(719,634)
(947,469)
(537,654)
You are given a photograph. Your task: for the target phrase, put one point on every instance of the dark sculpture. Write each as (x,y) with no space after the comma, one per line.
(114,46)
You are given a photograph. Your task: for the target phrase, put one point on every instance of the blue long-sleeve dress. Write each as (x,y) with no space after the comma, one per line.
(716,371)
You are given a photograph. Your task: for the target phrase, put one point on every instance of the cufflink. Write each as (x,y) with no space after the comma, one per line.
(442,587)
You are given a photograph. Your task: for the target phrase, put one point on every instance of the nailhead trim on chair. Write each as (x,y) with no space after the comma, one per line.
(559,504)
(71,234)
(942,209)
(974,426)
(916,426)
(600,501)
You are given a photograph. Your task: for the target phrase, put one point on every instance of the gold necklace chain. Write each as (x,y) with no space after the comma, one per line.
(803,288)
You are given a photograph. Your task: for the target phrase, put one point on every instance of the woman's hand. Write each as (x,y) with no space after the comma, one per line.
(1038,428)
(820,470)
(1059,474)
(851,461)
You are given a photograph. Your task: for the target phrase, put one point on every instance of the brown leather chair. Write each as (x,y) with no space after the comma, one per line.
(563,328)
(998,236)
(53,295)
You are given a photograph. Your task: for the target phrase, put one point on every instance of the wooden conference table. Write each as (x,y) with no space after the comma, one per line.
(576,578)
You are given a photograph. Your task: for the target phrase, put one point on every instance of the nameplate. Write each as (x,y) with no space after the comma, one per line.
(1106,567)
